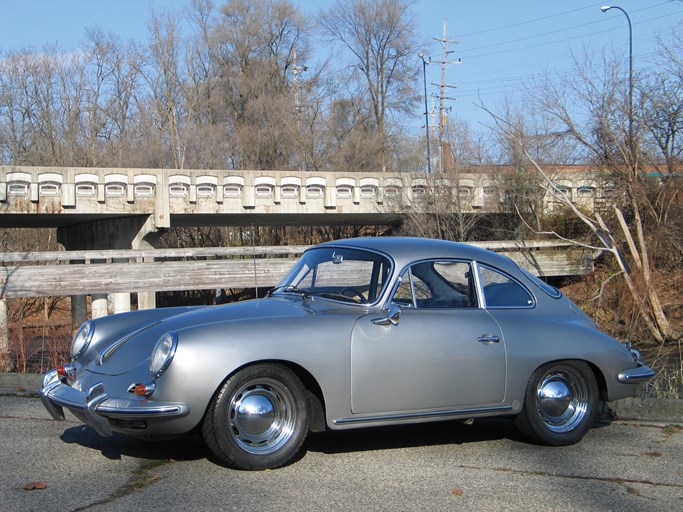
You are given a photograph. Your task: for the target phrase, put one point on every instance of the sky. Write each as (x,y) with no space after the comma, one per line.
(500,44)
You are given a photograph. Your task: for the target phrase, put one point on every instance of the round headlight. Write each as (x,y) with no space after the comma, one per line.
(82,339)
(163,353)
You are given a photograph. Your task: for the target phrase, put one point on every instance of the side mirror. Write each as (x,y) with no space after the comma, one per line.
(392,318)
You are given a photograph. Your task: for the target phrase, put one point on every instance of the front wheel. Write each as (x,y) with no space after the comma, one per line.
(258,419)
(560,404)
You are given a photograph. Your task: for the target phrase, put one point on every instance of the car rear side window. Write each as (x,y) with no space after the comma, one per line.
(502,291)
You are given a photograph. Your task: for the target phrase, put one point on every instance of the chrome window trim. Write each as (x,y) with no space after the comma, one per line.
(381,297)
(549,290)
(408,269)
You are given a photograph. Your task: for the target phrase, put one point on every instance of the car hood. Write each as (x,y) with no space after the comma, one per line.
(133,346)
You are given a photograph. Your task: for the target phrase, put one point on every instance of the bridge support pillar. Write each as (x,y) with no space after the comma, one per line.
(79,309)
(117,233)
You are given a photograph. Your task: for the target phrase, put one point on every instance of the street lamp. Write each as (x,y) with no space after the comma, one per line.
(424,77)
(606,8)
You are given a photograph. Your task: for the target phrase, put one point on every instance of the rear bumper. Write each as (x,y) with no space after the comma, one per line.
(96,408)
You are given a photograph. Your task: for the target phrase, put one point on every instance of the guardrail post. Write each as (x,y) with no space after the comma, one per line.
(100,305)
(5,360)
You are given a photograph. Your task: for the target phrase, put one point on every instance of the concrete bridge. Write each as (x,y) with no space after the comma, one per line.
(61,197)
(123,209)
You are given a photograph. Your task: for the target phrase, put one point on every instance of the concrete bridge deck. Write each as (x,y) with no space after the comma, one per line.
(60,196)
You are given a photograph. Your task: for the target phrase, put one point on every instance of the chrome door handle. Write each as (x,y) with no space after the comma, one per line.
(488,338)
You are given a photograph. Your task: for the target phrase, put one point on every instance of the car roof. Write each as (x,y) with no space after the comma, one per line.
(407,249)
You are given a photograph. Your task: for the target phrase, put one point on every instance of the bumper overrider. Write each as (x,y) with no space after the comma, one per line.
(96,409)
(640,373)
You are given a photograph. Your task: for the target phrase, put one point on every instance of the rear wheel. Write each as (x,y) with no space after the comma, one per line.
(560,404)
(259,418)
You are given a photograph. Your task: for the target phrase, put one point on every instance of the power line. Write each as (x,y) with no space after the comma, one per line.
(561,14)
(526,22)
(517,83)
(555,41)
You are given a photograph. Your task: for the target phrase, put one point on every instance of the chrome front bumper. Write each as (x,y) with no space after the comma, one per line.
(97,407)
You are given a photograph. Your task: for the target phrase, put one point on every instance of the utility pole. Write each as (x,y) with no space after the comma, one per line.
(295,80)
(443,86)
(424,78)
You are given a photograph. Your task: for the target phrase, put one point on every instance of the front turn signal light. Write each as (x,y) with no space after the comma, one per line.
(67,370)
(145,390)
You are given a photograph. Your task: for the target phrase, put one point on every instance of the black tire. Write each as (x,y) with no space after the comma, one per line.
(258,419)
(559,405)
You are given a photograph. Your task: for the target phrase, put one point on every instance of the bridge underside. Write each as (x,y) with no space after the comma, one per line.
(60,220)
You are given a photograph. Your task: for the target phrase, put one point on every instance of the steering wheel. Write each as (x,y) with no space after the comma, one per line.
(353,293)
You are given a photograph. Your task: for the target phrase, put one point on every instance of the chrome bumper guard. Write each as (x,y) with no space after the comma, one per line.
(635,375)
(98,407)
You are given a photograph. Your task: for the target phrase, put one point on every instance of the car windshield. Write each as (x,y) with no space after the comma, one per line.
(343,274)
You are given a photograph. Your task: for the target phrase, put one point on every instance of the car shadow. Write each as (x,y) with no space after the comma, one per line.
(118,445)
(192,447)
(406,436)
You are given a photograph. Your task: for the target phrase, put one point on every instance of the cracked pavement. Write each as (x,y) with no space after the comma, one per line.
(437,466)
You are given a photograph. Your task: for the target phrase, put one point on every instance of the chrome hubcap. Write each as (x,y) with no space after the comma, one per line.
(561,400)
(262,416)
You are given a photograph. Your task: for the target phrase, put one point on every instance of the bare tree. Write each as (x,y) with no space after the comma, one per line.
(647,191)
(257,46)
(28,107)
(381,38)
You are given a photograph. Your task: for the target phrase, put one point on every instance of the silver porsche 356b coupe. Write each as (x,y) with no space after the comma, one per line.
(360,333)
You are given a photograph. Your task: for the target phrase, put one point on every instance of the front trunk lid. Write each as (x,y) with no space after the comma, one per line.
(130,350)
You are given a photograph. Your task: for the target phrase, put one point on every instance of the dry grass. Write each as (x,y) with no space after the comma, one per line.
(609,304)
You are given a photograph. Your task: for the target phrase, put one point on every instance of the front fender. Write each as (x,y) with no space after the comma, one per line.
(207,355)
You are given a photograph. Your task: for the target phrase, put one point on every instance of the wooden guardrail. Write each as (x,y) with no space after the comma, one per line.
(114,271)
(56,273)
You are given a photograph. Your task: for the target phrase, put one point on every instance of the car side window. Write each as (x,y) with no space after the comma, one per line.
(437,285)
(501,291)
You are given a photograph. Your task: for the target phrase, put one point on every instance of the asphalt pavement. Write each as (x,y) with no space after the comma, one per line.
(66,466)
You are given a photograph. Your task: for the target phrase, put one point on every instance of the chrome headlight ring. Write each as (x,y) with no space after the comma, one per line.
(162,354)
(82,339)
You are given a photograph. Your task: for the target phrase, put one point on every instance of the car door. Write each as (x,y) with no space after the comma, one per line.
(444,352)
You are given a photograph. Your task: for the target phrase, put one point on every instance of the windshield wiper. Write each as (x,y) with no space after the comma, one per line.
(290,288)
